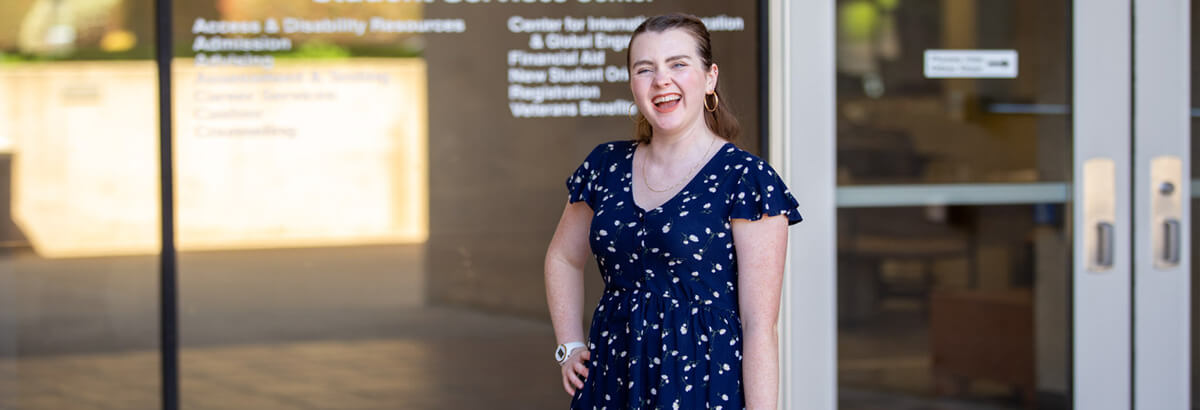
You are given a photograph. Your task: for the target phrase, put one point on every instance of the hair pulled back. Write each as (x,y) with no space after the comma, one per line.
(721,120)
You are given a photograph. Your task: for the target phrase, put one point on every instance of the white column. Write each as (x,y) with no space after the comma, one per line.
(803,134)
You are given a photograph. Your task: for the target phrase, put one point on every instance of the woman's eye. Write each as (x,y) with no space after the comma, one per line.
(643,70)
(678,65)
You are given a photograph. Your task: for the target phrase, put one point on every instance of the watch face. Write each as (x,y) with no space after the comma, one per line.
(560,353)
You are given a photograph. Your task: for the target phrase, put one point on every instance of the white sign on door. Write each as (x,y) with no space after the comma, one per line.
(970,63)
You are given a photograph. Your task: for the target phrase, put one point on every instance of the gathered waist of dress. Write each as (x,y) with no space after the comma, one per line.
(678,300)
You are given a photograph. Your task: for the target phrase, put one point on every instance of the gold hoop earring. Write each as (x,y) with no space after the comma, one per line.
(632,112)
(716,102)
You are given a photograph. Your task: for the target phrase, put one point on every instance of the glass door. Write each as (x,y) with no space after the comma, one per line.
(986,236)
(954,154)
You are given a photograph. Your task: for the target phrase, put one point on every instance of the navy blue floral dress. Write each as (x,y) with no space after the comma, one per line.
(667,333)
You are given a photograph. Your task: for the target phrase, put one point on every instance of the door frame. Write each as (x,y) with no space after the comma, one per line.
(1101,131)
(802,137)
(1161,292)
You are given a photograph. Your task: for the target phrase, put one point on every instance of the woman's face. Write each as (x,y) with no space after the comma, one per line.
(669,81)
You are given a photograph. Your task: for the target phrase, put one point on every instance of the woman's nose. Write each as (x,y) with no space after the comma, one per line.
(661,79)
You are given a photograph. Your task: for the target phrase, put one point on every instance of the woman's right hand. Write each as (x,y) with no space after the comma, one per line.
(575,371)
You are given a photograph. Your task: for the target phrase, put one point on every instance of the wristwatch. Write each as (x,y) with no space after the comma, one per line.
(564,351)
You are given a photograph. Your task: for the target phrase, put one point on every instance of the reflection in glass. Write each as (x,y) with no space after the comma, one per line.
(302,214)
(78,206)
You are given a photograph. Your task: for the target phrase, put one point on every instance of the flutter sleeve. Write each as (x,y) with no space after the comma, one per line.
(759,191)
(583,184)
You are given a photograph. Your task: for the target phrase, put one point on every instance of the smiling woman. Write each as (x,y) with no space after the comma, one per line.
(672,42)
(689,233)
(352,211)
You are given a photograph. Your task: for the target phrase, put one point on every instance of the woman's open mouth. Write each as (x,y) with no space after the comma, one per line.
(666,103)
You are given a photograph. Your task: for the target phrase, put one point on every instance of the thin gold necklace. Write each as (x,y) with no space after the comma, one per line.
(688,177)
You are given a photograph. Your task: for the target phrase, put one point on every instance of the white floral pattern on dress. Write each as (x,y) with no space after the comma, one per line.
(667,332)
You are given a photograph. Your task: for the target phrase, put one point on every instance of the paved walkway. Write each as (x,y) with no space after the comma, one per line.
(474,361)
(501,364)
(338,328)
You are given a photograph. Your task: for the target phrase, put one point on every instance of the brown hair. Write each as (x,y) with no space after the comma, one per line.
(721,121)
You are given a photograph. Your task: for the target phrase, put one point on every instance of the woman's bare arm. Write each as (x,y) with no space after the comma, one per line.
(565,259)
(761,249)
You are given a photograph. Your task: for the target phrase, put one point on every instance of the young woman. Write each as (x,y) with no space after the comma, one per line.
(689,232)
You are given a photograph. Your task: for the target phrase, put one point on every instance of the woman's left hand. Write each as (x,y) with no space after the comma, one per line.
(575,371)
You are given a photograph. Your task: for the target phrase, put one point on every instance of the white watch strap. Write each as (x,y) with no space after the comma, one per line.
(567,349)
(572,346)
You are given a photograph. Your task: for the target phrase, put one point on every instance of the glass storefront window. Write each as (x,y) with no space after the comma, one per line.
(79,220)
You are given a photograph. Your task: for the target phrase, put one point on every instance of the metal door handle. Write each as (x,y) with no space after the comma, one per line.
(1166,211)
(1099,214)
(1170,252)
(1104,244)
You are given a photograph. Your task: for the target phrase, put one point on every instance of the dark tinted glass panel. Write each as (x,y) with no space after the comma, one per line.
(908,115)
(953,305)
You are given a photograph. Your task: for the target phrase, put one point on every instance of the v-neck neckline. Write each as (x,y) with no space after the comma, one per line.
(686,187)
